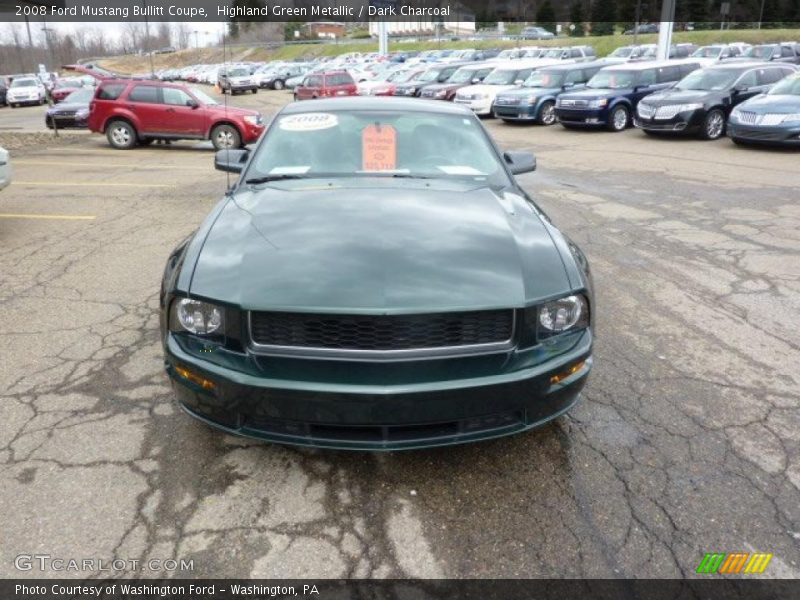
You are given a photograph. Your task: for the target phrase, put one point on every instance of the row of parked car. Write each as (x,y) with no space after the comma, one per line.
(753,100)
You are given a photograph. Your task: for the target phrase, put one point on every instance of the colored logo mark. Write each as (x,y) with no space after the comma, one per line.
(734,563)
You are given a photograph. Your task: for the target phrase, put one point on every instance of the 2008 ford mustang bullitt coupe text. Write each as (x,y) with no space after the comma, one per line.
(376,279)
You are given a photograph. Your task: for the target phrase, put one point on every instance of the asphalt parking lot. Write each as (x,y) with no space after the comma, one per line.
(687,440)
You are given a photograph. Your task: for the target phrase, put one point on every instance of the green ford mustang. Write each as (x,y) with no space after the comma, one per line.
(376,279)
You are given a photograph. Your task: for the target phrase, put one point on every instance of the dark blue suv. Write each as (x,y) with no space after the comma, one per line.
(610,97)
(536,99)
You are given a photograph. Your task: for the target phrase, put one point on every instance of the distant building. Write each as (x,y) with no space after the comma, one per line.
(326,29)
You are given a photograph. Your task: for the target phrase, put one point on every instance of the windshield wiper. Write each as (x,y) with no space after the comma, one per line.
(268,178)
(411,176)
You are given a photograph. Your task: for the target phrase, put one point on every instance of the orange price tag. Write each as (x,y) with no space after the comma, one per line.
(379,148)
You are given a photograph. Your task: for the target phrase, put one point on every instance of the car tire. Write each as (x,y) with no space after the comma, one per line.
(225,136)
(278,85)
(713,125)
(121,135)
(255,90)
(547,113)
(12,105)
(619,118)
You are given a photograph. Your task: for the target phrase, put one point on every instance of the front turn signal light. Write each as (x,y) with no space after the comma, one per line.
(196,379)
(558,378)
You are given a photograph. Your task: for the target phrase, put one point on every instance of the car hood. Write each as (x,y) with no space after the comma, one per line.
(240,78)
(447,86)
(775,103)
(28,89)
(524,92)
(378,247)
(682,96)
(62,106)
(594,93)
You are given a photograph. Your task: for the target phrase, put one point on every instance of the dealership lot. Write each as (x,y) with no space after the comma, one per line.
(686,441)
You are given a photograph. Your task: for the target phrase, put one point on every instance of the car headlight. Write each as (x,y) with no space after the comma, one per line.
(529,99)
(598,103)
(794,118)
(691,106)
(196,316)
(253,119)
(565,314)
(440,94)
(82,113)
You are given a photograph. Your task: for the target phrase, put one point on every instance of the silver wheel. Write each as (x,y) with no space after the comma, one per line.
(278,85)
(547,114)
(715,125)
(619,118)
(225,136)
(121,135)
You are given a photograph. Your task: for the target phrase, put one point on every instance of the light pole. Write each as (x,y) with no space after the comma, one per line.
(196,44)
(47,31)
(761,14)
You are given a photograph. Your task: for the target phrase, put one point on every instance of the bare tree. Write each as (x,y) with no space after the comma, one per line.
(180,35)
(16,40)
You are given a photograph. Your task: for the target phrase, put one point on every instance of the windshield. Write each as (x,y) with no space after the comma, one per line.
(510,53)
(612,80)
(238,73)
(83,96)
(501,77)
(554,53)
(789,87)
(203,97)
(406,76)
(429,75)
(707,52)
(378,143)
(622,52)
(544,79)
(24,83)
(759,52)
(708,79)
(463,75)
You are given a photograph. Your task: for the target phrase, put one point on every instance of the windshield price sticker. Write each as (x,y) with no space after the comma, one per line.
(308,122)
(379,148)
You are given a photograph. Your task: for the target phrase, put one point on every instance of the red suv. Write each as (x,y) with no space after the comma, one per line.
(139,111)
(328,84)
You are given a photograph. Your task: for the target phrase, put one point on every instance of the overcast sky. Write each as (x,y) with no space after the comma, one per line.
(209,32)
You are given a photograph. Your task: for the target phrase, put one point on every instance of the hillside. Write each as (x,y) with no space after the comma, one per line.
(603,45)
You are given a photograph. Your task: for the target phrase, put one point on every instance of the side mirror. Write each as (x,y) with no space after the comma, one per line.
(476,80)
(520,162)
(192,104)
(518,82)
(740,88)
(566,86)
(231,160)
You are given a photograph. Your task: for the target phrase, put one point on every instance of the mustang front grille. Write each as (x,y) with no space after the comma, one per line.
(448,333)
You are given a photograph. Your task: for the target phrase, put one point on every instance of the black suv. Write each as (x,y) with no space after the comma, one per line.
(610,97)
(702,101)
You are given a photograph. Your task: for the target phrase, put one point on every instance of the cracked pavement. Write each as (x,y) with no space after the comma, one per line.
(687,439)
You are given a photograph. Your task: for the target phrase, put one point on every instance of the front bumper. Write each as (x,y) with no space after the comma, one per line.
(251,133)
(686,122)
(24,100)
(402,415)
(515,112)
(787,136)
(482,106)
(583,117)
